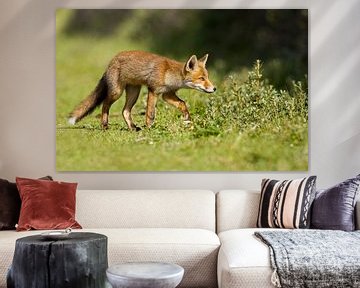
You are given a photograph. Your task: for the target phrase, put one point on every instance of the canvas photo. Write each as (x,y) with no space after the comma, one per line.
(182,90)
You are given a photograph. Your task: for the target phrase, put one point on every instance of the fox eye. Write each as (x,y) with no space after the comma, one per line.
(202,78)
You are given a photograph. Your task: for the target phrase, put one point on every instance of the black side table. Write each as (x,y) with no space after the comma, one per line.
(79,261)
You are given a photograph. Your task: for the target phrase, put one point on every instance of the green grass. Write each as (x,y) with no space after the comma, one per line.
(247,125)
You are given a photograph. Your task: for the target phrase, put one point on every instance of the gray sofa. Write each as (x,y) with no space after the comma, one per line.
(210,235)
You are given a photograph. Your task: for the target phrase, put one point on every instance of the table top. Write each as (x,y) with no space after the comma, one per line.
(146,270)
(73,237)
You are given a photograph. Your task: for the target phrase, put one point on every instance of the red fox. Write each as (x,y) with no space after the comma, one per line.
(129,70)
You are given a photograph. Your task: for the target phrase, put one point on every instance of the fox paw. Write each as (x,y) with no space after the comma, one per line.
(188,124)
(104,126)
(135,128)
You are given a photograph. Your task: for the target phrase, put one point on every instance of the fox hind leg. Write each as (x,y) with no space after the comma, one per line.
(132,95)
(174,100)
(114,94)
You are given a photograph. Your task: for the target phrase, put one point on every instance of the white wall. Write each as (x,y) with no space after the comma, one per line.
(27,94)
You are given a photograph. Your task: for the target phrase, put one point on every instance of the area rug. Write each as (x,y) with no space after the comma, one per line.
(313,258)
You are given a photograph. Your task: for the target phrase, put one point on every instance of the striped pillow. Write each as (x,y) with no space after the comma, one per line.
(286,204)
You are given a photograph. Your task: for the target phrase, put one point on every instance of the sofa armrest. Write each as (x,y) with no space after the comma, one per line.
(357,215)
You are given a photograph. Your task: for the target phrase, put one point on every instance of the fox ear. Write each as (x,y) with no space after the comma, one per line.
(204,59)
(191,63)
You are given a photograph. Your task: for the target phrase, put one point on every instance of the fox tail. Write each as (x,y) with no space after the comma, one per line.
(89,104)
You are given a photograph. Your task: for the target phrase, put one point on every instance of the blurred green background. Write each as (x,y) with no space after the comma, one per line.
(234,38)
(257,119)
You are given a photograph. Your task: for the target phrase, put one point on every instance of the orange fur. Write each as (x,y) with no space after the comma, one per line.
(129,70)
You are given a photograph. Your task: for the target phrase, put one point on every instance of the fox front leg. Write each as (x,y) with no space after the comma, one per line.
(150,108)
(174,100)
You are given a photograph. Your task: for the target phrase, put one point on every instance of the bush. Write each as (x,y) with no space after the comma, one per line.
(255,105)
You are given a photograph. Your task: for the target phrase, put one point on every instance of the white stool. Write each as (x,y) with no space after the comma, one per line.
(145,275)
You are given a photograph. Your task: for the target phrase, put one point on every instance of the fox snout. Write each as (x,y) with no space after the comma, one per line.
(204,86)
(210,89)
(201,86)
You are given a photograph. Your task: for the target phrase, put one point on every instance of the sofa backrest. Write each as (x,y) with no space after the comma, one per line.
(239,209)
(236,209)
(146,209)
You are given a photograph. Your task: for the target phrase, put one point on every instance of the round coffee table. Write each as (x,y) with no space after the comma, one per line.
(145,275)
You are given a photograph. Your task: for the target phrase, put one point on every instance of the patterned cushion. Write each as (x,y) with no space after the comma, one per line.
(286,204)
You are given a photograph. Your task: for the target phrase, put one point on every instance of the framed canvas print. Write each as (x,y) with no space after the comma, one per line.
(182,90)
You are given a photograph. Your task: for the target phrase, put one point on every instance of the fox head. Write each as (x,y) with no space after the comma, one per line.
(196,75)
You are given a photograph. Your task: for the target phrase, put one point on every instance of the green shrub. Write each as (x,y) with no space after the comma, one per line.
(255,105)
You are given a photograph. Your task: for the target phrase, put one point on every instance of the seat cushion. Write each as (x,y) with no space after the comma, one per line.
(196,250)
(244,261)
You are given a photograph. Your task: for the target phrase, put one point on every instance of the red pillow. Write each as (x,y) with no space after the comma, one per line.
(46,204)
(10,204)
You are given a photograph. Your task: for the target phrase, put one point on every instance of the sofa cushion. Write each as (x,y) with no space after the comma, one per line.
(244,260)
(153,209)
(286,204)
(196,250)
(10,204)
(236,209)
(46,204)
(334,208)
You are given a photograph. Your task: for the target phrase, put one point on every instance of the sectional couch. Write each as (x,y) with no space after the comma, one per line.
(209,234)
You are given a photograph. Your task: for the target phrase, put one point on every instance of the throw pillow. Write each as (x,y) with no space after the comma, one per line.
(46,204)
(10,203)
(286,204)
(334,208)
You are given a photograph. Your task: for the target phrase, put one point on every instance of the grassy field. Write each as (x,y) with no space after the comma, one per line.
(247,125)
